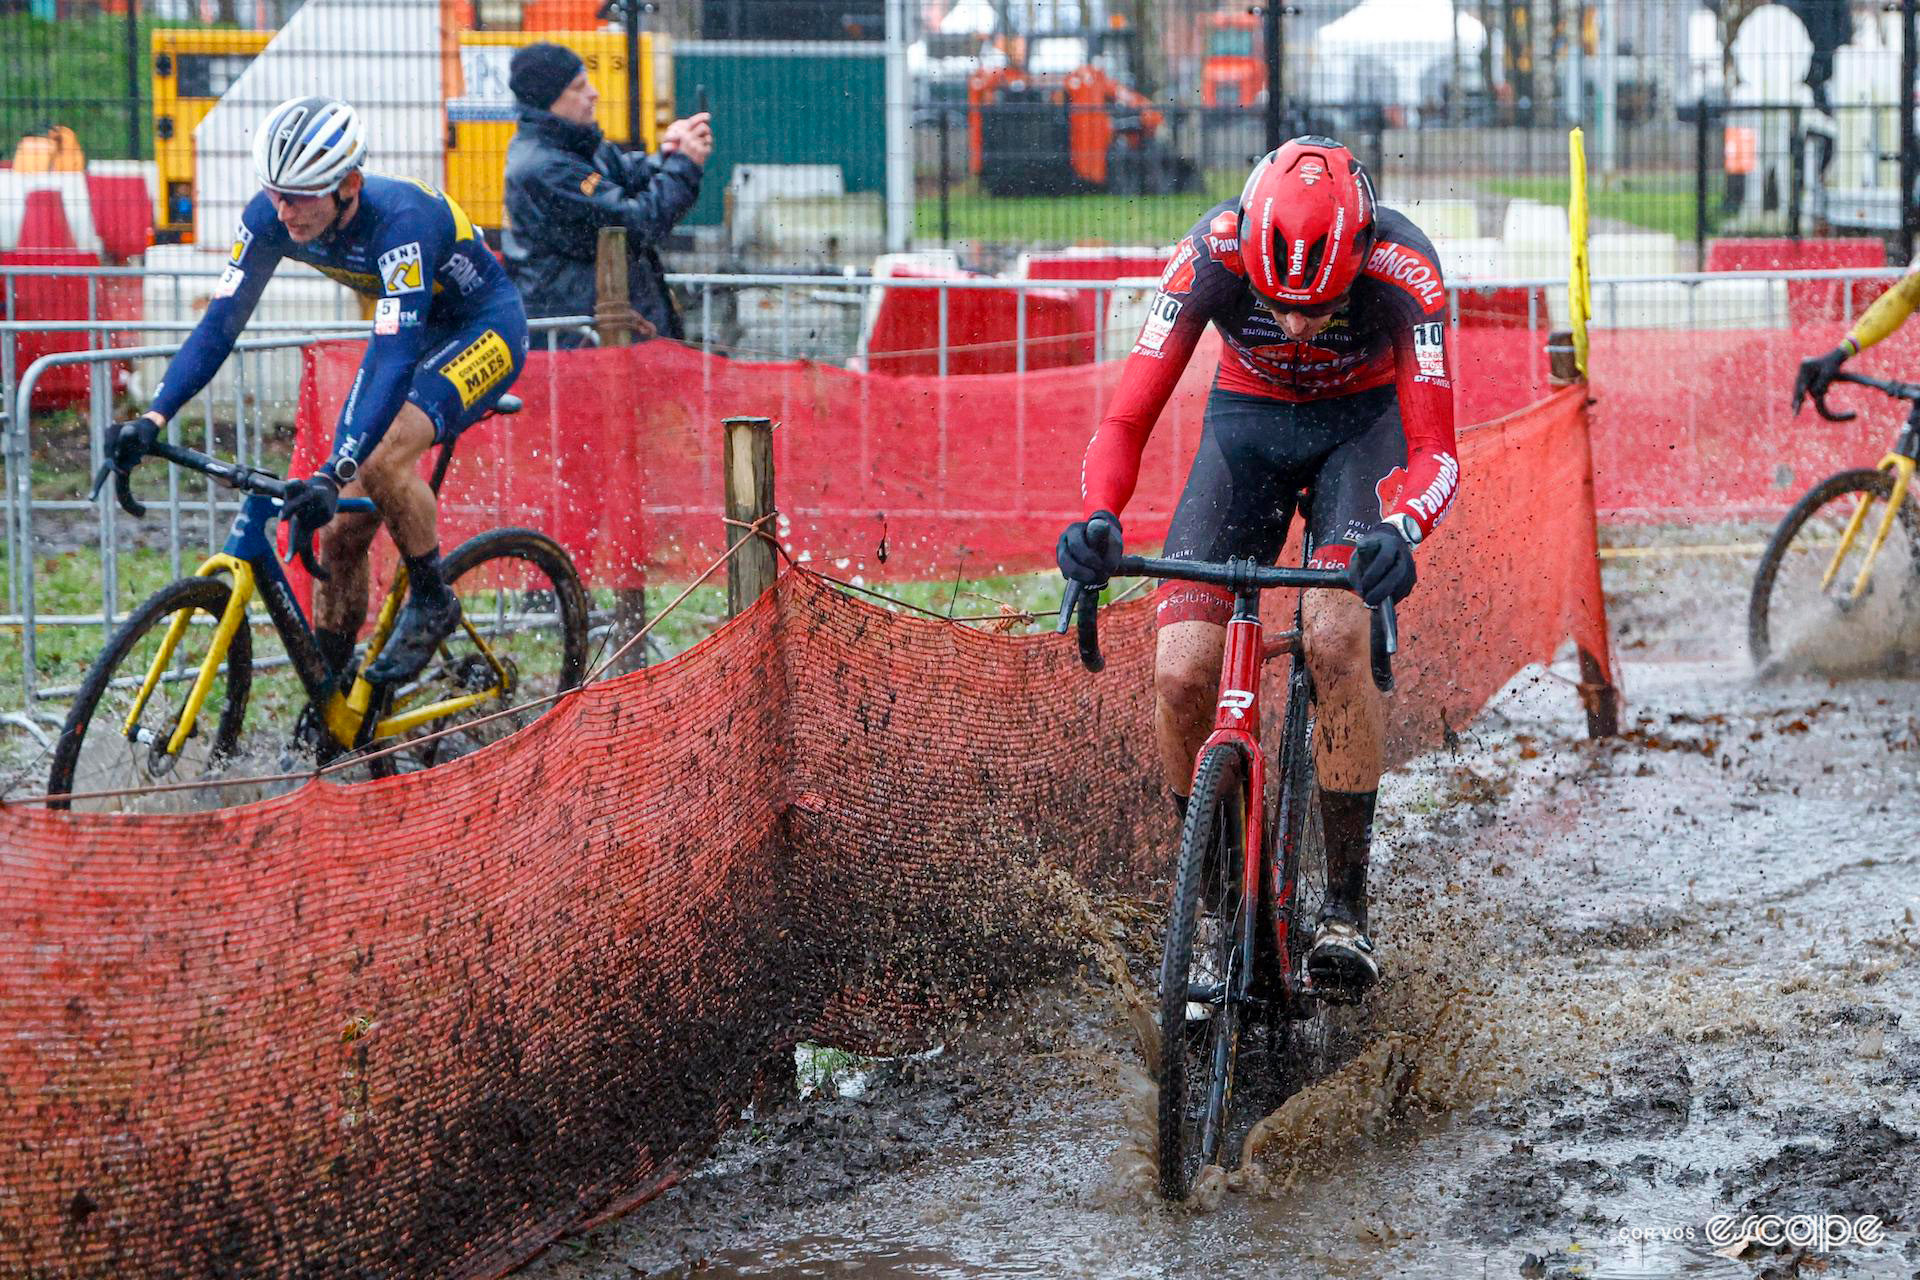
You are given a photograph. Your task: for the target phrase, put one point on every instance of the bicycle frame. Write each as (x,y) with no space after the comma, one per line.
(248,556)
(1236,724)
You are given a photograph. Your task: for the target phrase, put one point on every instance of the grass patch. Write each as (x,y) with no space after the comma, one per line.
(821,1068)
(1655,202)
(70,583)
(1084,219)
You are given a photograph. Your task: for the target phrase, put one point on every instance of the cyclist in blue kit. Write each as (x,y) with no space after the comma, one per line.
(449,338)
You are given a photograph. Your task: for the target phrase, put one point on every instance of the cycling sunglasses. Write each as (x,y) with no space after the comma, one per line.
(1314,312)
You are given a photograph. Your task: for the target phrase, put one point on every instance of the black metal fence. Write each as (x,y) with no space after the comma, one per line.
(1700,122)
(1034,123)
(81,66)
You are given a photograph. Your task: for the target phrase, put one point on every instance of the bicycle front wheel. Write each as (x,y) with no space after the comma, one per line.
(523,639)
(104,746)
(1809,603)
(1201,975)
(1302,1031)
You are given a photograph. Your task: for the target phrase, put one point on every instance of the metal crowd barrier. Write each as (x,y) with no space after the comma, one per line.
(1618,301)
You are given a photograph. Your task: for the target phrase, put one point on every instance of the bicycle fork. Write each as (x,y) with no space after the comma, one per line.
(1902,468)
(231,620)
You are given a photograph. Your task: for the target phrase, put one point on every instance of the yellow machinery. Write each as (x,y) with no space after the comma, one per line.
(193,68)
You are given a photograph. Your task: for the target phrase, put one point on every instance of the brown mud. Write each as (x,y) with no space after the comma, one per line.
(1633,985)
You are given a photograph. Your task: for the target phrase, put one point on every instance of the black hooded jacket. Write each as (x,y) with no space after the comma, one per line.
(564,183)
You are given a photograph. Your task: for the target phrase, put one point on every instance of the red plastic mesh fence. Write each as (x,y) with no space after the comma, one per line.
(423,1026)
(617,454)
(1699,425)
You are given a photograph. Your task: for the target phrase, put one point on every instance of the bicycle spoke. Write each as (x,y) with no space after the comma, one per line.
(523,640)
(115,739)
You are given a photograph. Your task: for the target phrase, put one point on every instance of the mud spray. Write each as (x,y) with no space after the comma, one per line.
(1631,985)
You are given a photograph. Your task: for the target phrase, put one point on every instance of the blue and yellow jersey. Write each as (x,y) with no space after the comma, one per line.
(409,248)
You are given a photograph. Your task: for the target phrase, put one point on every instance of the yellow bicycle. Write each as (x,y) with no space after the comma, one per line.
(166,699)
(1840,579)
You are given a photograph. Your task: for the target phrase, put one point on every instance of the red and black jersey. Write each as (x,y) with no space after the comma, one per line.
(1392,331)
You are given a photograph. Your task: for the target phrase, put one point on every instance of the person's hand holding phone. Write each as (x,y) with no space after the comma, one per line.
(692,137)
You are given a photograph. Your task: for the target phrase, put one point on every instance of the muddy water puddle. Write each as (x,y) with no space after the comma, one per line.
(1635,987)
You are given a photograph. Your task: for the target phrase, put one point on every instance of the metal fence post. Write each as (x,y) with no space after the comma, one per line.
(1797,168)
(946,175)
(1020,330)
(1700,184)
(1909,160)
(943,331)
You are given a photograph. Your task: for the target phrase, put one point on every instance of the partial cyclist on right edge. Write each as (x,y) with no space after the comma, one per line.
(1888,312)
(1333,394)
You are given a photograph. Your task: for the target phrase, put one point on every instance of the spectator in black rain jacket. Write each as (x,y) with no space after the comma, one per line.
(565,182)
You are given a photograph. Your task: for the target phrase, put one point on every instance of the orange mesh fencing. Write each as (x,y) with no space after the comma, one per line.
(1700,425)
(424,1026)
(617,455)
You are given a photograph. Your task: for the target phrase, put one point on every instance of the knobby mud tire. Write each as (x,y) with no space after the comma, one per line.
(1301,1043)
(1760,620)
(1207,877)
(85,723)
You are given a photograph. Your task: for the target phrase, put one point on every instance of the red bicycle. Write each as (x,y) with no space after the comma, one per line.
(1243,909)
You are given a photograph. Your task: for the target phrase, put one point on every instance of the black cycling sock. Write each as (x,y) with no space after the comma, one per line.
(1347,819)
(423,576)
(336,649)
(1179,805)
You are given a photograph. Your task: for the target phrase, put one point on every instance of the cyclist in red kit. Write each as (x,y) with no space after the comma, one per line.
(1334,397)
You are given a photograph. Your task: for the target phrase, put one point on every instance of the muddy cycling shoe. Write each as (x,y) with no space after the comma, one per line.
(416,635)
(1340,963)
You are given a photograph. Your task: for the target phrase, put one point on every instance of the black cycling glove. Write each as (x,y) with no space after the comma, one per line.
(130,441)
(306,508)
(1383,565)
(1089,550)
(1816,373)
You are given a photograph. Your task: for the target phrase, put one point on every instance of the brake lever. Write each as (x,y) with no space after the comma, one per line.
(122,489)
(300,544)
(1068,599)
(1385,642)
(1820,407)
(1090,630)
(1087,600)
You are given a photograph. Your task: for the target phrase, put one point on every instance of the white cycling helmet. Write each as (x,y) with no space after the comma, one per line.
(305,146)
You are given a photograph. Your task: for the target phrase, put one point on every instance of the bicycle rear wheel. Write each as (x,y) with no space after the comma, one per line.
(520,592)
(1302,1029)
(97,752)
(1804,609)
(1200,975)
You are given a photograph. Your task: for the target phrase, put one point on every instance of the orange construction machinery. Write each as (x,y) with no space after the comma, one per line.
(1234,71)
(1043,128)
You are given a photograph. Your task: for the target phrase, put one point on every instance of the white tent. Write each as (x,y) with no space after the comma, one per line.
(1394,52)
(394,81)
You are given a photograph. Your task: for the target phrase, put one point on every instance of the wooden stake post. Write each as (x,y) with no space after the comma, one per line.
(749,484)
(613,316)
(1601,697)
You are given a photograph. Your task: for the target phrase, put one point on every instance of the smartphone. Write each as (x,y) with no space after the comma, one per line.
(699,98)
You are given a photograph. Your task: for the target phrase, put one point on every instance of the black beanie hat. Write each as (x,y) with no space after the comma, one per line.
(540,73)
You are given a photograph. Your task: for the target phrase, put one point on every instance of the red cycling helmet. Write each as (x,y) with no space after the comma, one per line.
(1306,224)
